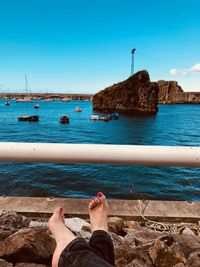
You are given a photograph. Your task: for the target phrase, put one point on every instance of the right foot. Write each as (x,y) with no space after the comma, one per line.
(61,233)
(98,210)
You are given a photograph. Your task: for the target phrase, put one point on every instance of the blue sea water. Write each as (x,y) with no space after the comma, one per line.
(174,125)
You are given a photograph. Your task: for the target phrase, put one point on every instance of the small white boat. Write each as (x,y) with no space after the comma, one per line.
(78,109)
(36,106)
(26,99)
(65,99)
(7,103)
(95,117)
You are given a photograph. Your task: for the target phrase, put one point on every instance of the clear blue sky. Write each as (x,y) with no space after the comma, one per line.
(83,46)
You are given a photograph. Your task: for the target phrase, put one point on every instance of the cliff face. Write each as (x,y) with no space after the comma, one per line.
(134,95)
(171,93)
(168,90)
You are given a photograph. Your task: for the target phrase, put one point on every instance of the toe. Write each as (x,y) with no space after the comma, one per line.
(102,199)
(94,203)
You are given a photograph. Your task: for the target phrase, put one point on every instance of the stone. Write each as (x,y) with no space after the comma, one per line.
(25,264)
(28,245)
(180,265)
(194,259)
(188,243)
(75,224)
(143,236)
(116,225)
(125,254)
(116,239)
(187,231)
(132,224)
(136,95)
(35,224)
(12,220)
(166,255)
(5,233)
(4,263)
(84,234)
(137,263)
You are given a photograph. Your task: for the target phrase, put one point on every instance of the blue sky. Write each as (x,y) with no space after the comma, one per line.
(84,46)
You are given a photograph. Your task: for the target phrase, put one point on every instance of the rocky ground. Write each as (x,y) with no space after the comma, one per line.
(27,242)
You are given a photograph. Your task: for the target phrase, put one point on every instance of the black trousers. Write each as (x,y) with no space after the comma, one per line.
(98,253)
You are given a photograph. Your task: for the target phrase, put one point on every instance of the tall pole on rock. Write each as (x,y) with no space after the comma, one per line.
(132,62)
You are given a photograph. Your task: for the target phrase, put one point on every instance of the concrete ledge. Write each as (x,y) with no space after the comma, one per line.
(166,211)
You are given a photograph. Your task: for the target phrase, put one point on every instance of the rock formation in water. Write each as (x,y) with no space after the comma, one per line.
(136,95)
(172,93)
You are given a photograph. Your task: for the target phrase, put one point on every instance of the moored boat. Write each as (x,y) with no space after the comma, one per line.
(114,116)
(104,118)
(95,117)
(7,103)
(25,99)
(29,118)
(64,119)
(36,106)
(78,109)
(65,99)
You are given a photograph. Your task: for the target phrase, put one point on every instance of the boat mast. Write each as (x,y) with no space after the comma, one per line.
(28,89)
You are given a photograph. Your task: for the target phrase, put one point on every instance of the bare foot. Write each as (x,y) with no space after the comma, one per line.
(98,210)
(61,233)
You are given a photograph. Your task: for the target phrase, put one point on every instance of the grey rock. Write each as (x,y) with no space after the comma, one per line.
(12,220)
(188,231)
(75,224)
(35,224)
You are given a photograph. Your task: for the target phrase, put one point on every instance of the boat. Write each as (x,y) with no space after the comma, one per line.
(78,109)
(104,118)
(114,116)
(95,117)
(64,119)
(28,92)
(29,118)
(7,103)
(36,106)
(65,99)
(25,99)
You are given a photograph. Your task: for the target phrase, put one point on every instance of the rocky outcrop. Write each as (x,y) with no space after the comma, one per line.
(168,90)
(136,95)
(172,93)
(134,243)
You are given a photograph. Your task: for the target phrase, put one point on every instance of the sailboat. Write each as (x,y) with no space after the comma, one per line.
(28,92)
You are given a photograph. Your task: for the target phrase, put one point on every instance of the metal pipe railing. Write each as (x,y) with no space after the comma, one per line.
(103,154)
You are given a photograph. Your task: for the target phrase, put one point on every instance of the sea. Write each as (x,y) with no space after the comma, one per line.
(174,125)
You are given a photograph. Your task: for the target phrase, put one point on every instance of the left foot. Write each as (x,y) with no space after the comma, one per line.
(61,233)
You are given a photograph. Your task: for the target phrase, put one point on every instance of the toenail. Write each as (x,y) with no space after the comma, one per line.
(99,194)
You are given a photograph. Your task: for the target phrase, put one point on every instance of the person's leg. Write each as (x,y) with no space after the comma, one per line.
(100,241)
(71,251)
(61,233)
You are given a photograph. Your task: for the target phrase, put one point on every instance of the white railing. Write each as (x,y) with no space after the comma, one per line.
(103,154)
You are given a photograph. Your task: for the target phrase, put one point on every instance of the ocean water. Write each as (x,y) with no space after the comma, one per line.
(174,125)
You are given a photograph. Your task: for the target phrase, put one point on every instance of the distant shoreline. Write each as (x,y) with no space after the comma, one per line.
(46,96)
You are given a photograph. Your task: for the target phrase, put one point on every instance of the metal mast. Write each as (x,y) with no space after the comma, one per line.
(132,62)
(28,89)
